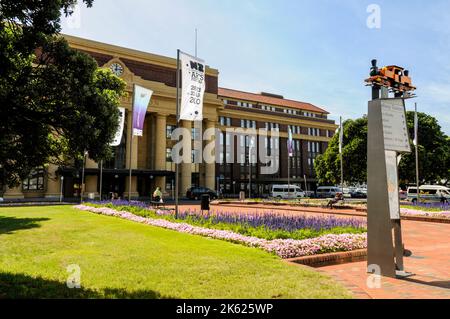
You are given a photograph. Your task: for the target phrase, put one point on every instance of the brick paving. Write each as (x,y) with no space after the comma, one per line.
(430,264)
(430,260)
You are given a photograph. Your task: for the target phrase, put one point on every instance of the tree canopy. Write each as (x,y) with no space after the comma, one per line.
(434,154)
(54,101)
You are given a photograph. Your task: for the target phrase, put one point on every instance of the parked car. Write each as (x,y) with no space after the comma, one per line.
(402,194)
(429,194)
(358,193)
(327,191)
(286,191)
(310,194)
(197,192)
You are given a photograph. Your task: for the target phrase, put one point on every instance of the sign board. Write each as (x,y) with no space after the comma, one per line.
(192,87)
(392,184)
(395,130)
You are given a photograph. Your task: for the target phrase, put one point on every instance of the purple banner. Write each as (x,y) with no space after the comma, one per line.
(140,103)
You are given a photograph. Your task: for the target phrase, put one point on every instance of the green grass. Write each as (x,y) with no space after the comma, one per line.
(243,229)
(123,259)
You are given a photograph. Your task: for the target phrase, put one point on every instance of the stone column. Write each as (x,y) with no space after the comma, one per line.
(160,149)
(186,168)
(134,157)
(53,181)
(210,168)
(91,181)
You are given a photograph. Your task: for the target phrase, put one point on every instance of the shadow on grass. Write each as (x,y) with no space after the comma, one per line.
(8,225)
(20,286)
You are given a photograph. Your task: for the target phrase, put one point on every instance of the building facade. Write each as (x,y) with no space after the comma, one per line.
(151,160)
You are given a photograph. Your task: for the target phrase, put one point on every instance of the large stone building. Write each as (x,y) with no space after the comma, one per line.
(151,161)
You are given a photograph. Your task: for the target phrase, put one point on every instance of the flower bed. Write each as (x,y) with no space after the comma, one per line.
(430,213)
(266,226)
(285,248)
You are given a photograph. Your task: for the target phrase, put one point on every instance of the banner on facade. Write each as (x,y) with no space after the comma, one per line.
(341,136)
(140,102)
(192,87)
(290,145)
(119,132)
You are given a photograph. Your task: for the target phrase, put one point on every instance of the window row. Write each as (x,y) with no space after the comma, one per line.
(295,129)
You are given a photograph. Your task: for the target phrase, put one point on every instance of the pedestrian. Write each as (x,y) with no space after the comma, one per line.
(157,195)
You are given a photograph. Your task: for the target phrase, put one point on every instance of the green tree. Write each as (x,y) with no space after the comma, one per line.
(354,152)
(434,153)
(54,101)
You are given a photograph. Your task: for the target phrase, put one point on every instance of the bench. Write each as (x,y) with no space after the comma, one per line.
(156,204)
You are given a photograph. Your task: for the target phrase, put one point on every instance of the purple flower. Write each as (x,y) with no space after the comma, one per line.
(285,248)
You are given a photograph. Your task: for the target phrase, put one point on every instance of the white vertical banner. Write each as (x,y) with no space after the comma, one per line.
(290,145)
(119,132)
(341,136)
(192,87)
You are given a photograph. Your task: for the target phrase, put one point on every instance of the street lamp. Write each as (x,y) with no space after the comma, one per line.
(82,176)
(61,189)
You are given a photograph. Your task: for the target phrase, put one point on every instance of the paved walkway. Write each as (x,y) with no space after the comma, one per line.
(430,261)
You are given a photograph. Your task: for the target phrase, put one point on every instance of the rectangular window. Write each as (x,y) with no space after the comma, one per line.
(35,181)
(169,130)
(168,154)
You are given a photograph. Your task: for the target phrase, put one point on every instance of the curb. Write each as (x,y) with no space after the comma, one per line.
(331,258)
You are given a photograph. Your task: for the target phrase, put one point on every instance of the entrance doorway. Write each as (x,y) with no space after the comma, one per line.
(113,183)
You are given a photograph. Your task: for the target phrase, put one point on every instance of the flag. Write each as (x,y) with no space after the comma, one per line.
(290,143)
(119,132)
(192,87)
(140,103)
(416,129)
(341,137)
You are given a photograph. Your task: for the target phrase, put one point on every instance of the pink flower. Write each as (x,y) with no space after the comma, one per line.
(285,248)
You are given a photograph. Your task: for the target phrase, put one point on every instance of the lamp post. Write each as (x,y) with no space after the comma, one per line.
(61,189)
(82,177)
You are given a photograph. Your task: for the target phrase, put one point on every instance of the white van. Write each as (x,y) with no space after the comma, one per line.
(286,191)
(429,193)
(327,191)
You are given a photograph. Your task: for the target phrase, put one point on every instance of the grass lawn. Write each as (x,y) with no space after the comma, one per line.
(123,259)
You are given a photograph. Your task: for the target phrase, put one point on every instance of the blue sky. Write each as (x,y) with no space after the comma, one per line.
(312,51)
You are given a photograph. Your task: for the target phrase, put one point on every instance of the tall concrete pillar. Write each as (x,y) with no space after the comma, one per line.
(53,187)
(210,168)
(186,168)
(91,181)
(160,149)
(134,157)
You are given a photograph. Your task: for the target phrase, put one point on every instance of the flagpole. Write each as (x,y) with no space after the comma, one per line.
(341,135)
(178,122)
(249,169)
(289,173)
(416,125)
(289,162)
(131,142)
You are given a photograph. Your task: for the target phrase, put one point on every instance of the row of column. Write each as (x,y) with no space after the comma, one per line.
(185,168)
(53,183)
